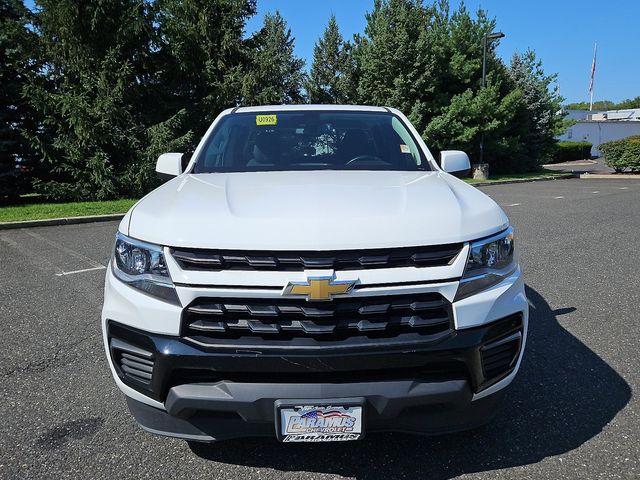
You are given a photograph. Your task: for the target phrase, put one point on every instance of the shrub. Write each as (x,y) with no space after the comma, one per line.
(567,151)
(622,154)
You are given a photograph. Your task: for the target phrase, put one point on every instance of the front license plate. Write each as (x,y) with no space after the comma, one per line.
(320,423)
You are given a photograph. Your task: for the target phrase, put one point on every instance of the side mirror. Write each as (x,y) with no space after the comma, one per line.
(455,162)
(169,165)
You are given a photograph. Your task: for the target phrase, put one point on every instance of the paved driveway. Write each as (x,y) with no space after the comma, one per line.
(581,166)
(572,413)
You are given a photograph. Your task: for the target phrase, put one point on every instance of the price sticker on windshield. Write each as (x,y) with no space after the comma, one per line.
(266,120)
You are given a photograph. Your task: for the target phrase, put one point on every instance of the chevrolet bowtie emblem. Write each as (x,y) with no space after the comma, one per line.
(319,288)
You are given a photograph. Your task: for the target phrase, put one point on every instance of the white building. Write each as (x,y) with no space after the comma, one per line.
(602,126)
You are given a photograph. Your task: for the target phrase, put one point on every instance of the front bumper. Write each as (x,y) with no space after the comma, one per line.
(214,412)
(212,396)
(204,394)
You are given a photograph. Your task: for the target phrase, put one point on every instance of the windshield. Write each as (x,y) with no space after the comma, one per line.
(310,140)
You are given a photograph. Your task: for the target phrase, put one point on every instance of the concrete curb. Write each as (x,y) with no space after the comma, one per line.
(60,221)
(624,176)
(524,180)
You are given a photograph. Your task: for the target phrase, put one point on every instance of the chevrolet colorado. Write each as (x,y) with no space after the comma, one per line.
(313,273)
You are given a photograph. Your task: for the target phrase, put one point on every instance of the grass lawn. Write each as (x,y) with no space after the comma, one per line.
(518,176)
(39,211)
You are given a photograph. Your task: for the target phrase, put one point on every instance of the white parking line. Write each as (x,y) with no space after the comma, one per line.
(101,267)
(561,196)
(597,191)
(623,188)
(511,205)
(63,249)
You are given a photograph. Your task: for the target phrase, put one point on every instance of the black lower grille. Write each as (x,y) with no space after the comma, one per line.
(133,362)
(499,357)
(207,320)
(432,371)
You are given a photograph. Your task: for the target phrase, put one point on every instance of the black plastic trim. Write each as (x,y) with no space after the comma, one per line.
(177,361)
(275,260)
(407,407)
(294,323)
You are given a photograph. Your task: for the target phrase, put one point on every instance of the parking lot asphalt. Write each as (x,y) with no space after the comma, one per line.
(573,412)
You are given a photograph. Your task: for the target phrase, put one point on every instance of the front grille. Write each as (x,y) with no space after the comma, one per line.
(499,357)
(133,362)
(208,320)
(216,260)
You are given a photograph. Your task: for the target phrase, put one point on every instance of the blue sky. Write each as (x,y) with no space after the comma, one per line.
(561,32)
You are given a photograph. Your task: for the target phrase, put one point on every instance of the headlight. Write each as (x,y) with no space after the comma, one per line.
(141,265)
(490,261)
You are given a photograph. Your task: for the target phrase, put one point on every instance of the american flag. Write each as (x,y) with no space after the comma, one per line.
(320,414)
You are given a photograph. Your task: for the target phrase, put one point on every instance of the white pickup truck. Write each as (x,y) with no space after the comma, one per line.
(311,272)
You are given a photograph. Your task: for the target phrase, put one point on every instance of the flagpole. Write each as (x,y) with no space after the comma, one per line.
(593,74)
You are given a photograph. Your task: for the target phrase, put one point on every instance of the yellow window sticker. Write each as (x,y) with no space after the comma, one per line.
(405,148)
(266,120)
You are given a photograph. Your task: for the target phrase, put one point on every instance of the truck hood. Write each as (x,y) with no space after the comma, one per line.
(313,210)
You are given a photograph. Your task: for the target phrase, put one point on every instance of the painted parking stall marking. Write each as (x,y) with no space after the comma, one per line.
(92,269)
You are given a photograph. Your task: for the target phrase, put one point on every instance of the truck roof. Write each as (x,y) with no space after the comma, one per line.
(284,108)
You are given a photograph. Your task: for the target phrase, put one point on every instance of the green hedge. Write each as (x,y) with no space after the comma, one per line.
(622,154)
(567,151)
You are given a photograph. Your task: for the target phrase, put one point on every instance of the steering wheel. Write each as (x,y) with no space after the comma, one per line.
(361,158)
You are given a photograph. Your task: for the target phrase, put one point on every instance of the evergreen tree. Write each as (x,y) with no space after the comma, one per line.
(274,75)
(330,80)
(202,56)
(93,52)
(538,118)
(472,114)
(390,60)
(459,112)
(420,59)
(17,119)
(113,83)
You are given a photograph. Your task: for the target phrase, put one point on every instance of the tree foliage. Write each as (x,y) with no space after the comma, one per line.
(427,62)
(274,74)
(331,76)
(93,50)
(622,154)
(391,62)
(629,103)
(128,80)
(201,58)
(17,66)
(537,120)
(101,88)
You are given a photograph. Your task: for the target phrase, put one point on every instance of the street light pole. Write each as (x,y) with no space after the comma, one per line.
(487,38)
